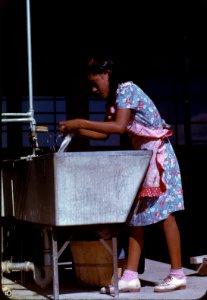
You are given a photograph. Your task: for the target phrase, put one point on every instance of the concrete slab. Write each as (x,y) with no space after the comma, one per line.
(154,271)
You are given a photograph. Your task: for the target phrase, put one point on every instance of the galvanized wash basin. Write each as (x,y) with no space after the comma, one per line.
(75,188)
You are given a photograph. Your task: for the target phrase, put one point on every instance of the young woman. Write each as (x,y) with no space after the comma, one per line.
(129,109)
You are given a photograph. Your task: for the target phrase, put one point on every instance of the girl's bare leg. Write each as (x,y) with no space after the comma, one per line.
(176,279)
(172,236)
(136,242)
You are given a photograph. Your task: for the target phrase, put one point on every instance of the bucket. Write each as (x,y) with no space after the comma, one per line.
(93,264)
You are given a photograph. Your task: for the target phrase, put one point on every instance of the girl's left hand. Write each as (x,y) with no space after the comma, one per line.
(69,126)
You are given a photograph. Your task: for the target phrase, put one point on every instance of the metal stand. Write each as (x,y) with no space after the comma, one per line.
(56,254)
(115,266)
(55,265)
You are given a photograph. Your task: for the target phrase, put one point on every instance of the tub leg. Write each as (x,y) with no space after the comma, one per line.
(115,266)
(55,265)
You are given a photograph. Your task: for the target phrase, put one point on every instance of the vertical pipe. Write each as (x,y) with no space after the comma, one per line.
(186,91)
(29,55)
(2,195)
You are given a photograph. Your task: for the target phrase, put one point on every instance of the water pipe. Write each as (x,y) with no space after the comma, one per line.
(41,280)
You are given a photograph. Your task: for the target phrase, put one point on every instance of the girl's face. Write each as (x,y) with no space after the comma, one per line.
(99,84)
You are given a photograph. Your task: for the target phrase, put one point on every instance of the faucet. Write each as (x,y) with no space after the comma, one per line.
(33,137)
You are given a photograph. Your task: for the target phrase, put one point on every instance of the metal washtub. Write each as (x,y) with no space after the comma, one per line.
(77,188)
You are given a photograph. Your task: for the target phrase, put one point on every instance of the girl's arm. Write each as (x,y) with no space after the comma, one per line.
(92,134)
(117,126)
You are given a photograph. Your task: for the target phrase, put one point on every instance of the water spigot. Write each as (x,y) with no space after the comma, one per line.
(33,137)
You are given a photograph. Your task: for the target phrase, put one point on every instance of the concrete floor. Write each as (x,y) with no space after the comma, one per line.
(69,289)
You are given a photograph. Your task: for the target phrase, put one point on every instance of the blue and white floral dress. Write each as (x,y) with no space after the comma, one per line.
(161,193)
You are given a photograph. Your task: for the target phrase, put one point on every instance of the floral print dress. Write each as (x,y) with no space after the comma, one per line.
(161,192)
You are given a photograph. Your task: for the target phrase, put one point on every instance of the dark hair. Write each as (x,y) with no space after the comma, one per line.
(98,66)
